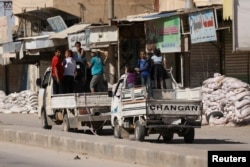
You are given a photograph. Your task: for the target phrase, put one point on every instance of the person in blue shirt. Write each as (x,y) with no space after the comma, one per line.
(144,69)
(96,63)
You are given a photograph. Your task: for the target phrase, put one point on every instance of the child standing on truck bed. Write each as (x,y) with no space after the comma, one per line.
(69,65)
(97,64)
(57,72)
(144,69)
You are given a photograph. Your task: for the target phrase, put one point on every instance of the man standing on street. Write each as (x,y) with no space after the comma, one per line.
(57,72)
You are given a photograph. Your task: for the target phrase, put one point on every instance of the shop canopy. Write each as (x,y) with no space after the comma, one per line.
(73,29)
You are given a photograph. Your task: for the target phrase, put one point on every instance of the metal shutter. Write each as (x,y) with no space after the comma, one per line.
(236,64)
(204,62)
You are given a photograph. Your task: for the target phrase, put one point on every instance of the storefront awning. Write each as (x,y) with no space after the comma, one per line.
(73,29)
(146,17)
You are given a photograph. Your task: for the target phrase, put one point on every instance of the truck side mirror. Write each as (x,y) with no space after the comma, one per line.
(38,82)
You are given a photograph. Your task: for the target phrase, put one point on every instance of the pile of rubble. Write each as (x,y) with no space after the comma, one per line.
(226,101)
(23,102)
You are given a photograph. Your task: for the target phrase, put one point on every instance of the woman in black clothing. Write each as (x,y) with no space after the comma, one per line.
(158,71)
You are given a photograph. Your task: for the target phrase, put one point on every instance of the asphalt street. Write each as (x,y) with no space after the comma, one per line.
(207,138)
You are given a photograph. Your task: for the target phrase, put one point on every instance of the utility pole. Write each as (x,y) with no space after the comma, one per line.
(111,11)
(7,5)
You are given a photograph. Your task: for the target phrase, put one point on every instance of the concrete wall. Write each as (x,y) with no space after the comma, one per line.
(93,10)
(168,5)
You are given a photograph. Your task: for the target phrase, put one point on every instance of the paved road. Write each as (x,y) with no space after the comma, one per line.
(16,155)
(207,138)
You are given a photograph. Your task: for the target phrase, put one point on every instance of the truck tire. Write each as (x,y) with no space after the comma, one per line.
(189,136)
(44,120)
(168,136)
(117,130)
(139,131)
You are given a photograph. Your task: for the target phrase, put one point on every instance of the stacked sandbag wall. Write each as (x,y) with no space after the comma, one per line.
(23,102)
(226,101)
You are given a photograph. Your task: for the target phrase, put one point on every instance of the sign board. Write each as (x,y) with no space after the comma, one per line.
(81,37)
(57,23)
(163,33)
(202,27)
(5,29)
(103,34)
(241,23)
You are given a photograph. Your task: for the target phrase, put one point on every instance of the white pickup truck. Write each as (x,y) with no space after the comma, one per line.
(167,113)
(73,110)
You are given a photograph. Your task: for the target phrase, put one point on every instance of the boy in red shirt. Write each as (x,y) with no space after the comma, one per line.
(57,72)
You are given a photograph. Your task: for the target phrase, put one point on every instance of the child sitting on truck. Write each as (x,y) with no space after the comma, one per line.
(131,76)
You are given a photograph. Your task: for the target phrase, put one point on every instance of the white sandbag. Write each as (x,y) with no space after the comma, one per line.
(217,79)
(6,111)
(245,112)
(206,90)
(229,108)
(214,85)
(240,104)
(237,85)
(242,95)
(239,90)
(33,111)
(230,80)
(17,109)
(2,94)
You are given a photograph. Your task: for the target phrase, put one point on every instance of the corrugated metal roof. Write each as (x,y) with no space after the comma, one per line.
(160,15)
(73,29)
(152,16)
(34,37)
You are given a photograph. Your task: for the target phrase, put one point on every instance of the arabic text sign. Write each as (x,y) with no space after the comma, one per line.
(202,27)
(164,33)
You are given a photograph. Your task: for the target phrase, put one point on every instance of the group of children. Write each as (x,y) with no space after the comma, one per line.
(75,74)
(148,69)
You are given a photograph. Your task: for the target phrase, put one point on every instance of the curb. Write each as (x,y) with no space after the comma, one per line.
(143,156)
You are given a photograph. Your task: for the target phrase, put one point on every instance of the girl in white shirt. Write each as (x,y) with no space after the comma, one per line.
(158,70)
(69,66)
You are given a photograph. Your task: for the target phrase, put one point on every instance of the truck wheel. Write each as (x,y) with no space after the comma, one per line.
(139,131)
(117,130)
(44,120)
(189,136)
(168,136)
(66,126)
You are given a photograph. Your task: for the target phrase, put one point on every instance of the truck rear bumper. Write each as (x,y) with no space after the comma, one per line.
(172,126)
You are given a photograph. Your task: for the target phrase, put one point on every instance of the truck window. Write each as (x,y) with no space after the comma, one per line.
(46,79)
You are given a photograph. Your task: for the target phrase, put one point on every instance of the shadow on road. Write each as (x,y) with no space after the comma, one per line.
(197,141)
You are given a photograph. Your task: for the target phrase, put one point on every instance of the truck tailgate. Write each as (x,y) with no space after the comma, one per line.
(98,99)
(63,101)
(174,107)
